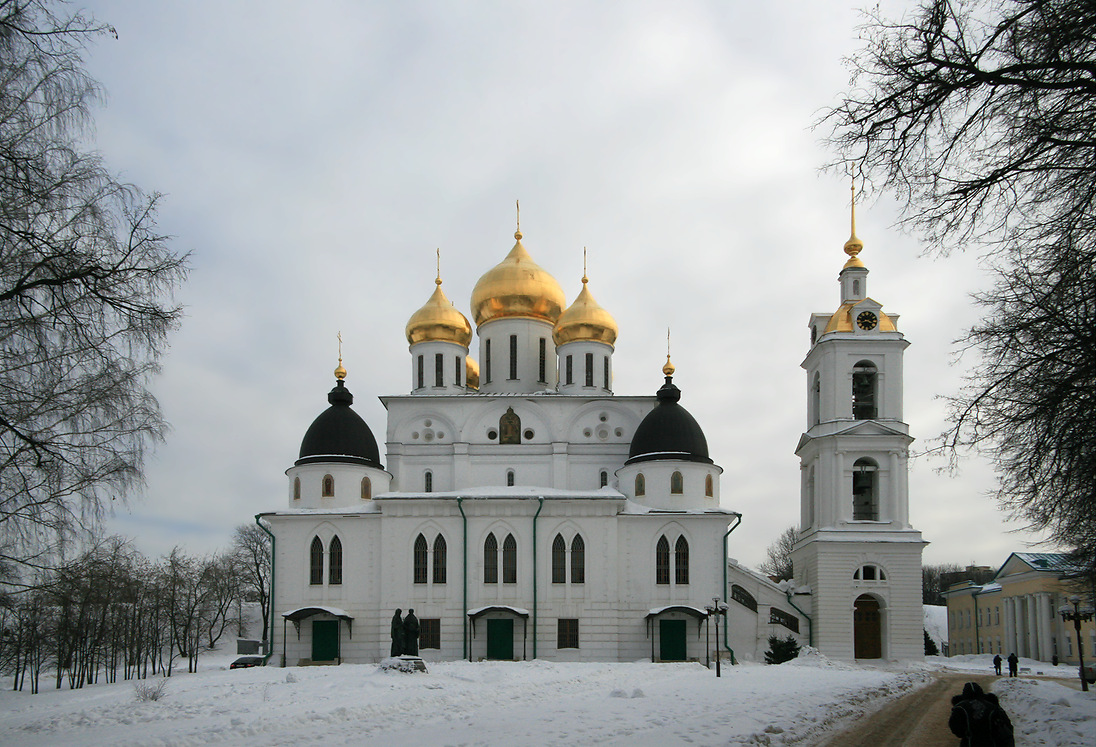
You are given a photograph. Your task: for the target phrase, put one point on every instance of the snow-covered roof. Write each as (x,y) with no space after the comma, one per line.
(312,609)
(688,609)
(513,492)
(1046,561)
(519,611)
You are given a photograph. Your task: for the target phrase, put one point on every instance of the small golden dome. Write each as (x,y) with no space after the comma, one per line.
(853,246)
(668,369)
(340,372)
(471,372)
(517,286)
(439,321)
(585,320)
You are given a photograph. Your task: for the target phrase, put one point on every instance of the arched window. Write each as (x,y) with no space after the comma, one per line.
(641,485)
(296,488)
(440,560)
(367,489)
(509,478)
(490,560)
(681,561)
(513,357)
(816,399)
(328,486)
(589,369)
(863,391)
(865,500)
(420,560)
(315,562)
(604,478)
(709,486)
(419,383)
(856,287)
(428,482)
(578,560)
(334,562)
(559,560)
(662,561)
(677,483)
(810,497)
(486,361)
(439,366)
(870,573)
(509,560)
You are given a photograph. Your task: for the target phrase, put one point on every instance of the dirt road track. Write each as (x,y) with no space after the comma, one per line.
(919,719)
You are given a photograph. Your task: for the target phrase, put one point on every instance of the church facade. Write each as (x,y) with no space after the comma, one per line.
(528,511)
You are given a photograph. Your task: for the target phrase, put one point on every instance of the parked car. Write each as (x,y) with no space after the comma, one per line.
(245,662)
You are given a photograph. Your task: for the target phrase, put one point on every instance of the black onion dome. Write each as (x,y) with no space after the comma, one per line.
(669,432)
(339,434)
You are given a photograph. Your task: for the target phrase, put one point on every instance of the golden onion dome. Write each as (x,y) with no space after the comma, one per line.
(471,372)
(585,320)
(439,321)
(517,286)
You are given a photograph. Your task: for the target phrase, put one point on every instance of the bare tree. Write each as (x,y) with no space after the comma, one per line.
(778,561)
(85,296)
(980,114)
(932,582)
(251,550)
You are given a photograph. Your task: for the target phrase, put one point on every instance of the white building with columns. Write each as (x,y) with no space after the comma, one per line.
(526,510)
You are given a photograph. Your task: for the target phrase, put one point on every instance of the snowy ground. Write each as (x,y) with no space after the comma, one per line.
(536,703)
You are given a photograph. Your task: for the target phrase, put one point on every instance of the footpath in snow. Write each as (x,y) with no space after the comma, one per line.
(487,703)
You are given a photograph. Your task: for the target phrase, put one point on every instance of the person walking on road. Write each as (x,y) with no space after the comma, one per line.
(1013,665)
(978,719)
(997,664)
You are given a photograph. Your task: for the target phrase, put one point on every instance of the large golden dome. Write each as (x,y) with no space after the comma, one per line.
(517,286)
(585,320)
(439,321)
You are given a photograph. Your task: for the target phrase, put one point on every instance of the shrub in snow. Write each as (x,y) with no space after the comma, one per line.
(781,650)
(930,646)
(146,691)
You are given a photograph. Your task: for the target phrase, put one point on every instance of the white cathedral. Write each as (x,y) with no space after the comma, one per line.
(527,511)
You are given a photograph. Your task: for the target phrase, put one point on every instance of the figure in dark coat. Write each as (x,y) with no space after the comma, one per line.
(411,634)
(978,719)
(997,664)
(397,634)
(1013,665)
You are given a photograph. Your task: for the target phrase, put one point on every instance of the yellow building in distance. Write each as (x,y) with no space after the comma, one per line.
(1018,611)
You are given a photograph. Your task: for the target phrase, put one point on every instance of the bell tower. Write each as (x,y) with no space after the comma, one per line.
(857,553)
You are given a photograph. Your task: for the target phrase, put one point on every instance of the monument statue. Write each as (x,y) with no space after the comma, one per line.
(410,633)
(397,633)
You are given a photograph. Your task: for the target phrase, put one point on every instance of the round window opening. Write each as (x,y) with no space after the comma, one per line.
(528,433)
(492,434)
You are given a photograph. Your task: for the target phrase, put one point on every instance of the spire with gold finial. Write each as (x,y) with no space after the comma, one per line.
(668,369)
(340,372)
(854,245)
(517,232)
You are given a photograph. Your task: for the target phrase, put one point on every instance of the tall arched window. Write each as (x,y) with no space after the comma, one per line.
(604,478)
(509,478)
(315,562)
(578,560)
(641,485)
(677,483)
(334,562)
(428,482)
(367,489)
(709,486)
(420,559)
(865,499)
(559,560)
(328,486)
(816,399)
(810,497)
(681,561)
(509,560)
(662,561)
(863,390)
(296,488)
(440,560)
(490,560)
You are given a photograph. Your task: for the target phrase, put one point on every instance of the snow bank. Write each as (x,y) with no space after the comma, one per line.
(936,624)
(1046,712)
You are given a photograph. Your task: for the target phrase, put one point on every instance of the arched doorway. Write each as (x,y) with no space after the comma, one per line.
(867,628)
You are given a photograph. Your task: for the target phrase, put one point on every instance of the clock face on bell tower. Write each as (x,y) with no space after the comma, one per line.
(866,320)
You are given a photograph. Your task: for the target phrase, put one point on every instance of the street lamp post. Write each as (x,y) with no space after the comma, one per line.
(1077,615)
(715,610)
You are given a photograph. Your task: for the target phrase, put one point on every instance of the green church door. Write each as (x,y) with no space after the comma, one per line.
(671,640)
(325,640)
(500,639)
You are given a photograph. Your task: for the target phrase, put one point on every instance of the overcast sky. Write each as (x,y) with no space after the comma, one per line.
(314,155)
